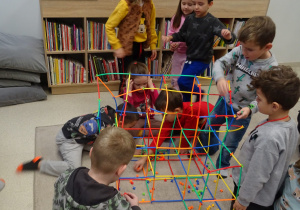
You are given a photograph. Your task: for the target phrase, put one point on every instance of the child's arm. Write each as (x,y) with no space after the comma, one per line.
(179,36)
(153,41)
(138,166)
(221,31)
(132,199)
(222,65)
(113,21)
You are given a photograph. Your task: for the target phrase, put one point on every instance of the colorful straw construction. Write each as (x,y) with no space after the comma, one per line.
(199,180)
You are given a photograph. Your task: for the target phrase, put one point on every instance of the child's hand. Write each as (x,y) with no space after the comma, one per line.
(226,34)
(153,55)
(174,46)
(243,113)
(82,130)
(150,83)
(166,38)
(222,86)
(120,53)
(138,152)
(238,206)
(183,151)
(131,198)
(129,86)
(138,166)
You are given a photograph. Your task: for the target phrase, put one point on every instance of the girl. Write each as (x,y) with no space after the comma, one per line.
(185,7)
(136,22)
(142,99)
(290,198)
(198,32)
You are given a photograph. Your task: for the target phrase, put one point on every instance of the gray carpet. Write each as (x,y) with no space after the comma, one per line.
(164,190)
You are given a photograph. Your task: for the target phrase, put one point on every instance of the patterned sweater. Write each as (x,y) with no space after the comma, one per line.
(75,189)
(198,34)
(240,71)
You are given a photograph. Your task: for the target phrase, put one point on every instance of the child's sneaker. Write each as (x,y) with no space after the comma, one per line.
(30,166)
(224,173)
(2,184)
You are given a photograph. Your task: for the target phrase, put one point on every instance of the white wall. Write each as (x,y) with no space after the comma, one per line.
(23,17)
(286,15)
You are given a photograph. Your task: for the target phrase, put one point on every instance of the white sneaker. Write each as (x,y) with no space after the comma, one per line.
(224,173)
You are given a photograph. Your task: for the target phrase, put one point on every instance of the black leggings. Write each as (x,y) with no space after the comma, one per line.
(138,54)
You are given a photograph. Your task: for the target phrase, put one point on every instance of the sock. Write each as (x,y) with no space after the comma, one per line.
(2,184)
(30,166)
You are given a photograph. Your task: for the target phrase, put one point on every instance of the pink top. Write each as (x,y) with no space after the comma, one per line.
(140,102)
(182,46)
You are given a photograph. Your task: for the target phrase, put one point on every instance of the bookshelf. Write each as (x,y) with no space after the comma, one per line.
(77,14)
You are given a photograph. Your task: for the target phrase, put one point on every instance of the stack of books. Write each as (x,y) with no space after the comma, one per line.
(65,71)
(106,69)
(97,38)
(62,37)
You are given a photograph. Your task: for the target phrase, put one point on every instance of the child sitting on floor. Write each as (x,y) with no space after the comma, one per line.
(141,97)
(74,135)
(84,188)
(187,117)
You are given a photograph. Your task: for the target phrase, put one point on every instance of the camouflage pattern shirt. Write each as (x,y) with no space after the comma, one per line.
(75,189)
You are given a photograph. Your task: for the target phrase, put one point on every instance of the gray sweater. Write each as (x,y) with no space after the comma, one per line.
(265,155)
(240,71)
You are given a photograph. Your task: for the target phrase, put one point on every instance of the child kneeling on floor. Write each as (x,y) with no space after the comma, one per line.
(187,117)
(268,150)
(75,135)
(83,187)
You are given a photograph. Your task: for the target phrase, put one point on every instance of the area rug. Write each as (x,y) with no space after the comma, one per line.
(45,146)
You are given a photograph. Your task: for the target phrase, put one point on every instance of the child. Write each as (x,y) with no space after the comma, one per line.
(290,198)
(185,7)
(187,119)
(84,188)
(136,22)
(198,31)
(268,150)
(140,98)
(74,135)
(244,63)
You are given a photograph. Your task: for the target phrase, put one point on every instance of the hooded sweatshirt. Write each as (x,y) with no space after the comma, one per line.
(75,189)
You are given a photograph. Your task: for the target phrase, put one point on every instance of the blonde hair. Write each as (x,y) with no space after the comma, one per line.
(113,147)
(259,29)
(137,68)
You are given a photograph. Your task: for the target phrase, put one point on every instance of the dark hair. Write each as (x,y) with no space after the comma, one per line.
(177,16)
(259,29)
(280,84)
(137,68)
(175,100)
(131,113)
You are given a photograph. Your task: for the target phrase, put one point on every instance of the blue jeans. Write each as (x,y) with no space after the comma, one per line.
(195,68)
(232,139)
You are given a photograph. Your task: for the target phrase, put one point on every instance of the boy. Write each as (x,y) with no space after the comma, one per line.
(268,150)
(75,134)
(244,63)
(198,32)
(187,119)
(85,188)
